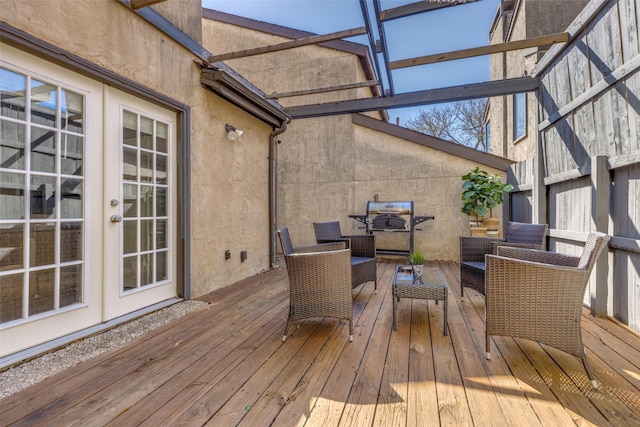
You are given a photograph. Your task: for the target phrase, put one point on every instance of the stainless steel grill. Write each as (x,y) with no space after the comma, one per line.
(391,217)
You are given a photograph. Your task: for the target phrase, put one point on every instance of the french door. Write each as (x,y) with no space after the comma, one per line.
(87,202)
(140,231)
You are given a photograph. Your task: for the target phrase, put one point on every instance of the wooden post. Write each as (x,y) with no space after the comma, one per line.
(600,196)
(538,188)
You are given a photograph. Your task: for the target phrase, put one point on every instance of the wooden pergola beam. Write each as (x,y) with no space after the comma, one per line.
(277,95)
(137,4)
(482,50)
(418,7)
(305,41)
(412,99)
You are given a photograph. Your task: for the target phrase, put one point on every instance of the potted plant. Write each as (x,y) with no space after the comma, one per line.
(417,259)
(481,192)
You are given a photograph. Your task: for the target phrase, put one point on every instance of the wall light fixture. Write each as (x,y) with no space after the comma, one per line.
(232,132)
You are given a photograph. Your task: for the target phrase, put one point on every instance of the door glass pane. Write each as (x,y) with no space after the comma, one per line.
(71,198)
(42,243)
(161,201)
(146,235)
(161,138)
(161,233)
(11,299)
(146,166)
(146,133)
(130,197)
(13,90)
(43,150)
(130,129)
(41,291)
(162,271)
(12,195)
(71,238)
(130,236)
(161,169)
(11,246)
(146,269)
(44,103)
(42,200)
(71,154)
(72,110)
(130,273)
(12,137)
(70,285)
(130,164)
(146,200)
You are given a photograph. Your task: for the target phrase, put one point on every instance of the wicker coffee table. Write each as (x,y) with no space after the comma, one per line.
(431,285)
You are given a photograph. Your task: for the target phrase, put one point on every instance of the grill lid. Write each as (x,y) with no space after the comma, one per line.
(390,208)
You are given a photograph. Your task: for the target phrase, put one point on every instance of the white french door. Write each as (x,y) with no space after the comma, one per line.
(51,176)
(140,233)
(87,202)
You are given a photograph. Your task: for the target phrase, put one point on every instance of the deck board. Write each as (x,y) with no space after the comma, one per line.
(227,365)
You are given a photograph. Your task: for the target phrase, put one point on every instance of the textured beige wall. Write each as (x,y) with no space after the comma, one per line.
(316,174)
(328,168)
(551,16)
(396,169)
(512,64)
(290,70)
(331,178)
(229,180)
(184,14)
(497,104)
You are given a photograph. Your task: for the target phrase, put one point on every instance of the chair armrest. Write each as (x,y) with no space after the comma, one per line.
(473,249)
(320,247)
(495,245)
(346,241)
(539,256)
(362,245)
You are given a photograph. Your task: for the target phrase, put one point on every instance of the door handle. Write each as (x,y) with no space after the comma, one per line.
(116,218)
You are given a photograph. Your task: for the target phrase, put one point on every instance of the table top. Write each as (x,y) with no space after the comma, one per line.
(432,276)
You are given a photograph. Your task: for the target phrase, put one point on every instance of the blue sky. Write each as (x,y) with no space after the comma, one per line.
(443,30)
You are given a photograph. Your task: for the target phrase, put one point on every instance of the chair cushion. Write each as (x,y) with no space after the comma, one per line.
(355,260)
(476,265)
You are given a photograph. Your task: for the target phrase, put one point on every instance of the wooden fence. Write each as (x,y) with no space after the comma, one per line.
(586,173)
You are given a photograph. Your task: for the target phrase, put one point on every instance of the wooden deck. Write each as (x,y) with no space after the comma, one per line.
(226,365)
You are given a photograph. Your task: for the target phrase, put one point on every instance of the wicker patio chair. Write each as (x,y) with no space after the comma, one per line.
(538,295)
(473,250)
(363,251)
(319,281)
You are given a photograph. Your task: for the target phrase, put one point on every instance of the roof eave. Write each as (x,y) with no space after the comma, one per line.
(228,87)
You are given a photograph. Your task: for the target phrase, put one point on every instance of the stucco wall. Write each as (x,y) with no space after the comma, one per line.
(396,169)
(328,167)
(512,64)
(330,180)
(183,14)
(290,70)
(229,203)
(316,174)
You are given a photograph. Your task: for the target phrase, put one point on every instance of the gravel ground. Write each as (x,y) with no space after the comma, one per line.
(21,376)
